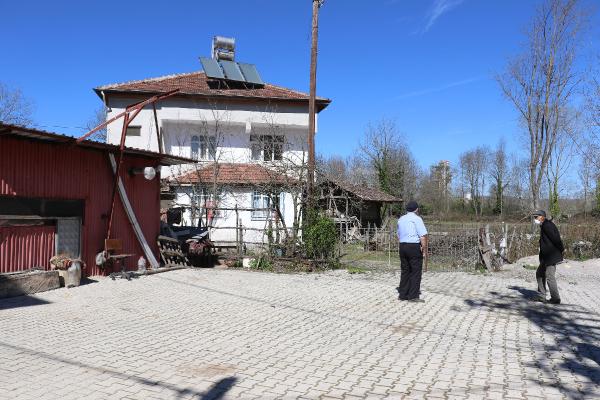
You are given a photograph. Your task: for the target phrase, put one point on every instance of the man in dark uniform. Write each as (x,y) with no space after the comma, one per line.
(551,249)
(412,236)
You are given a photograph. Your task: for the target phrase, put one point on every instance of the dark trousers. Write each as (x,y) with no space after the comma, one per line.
(411,266)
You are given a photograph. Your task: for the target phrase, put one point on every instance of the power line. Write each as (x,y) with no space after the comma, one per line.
(60,126)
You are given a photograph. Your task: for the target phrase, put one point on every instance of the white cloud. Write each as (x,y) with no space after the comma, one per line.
(424,92)
(439,8)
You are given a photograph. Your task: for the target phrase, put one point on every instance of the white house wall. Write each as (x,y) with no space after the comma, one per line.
(237,118)
(222,224)
(233,141)
(180,118)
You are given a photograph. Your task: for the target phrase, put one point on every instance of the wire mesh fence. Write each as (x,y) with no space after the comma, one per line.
(456,246)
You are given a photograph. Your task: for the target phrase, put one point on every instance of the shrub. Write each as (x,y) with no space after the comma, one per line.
(320,237)
(261,263)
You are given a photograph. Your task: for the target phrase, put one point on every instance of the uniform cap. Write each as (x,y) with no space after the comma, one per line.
(412,206)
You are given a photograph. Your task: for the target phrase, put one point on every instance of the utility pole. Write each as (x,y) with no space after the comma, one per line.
(316,4)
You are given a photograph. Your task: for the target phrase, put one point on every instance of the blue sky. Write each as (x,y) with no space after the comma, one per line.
(426,64)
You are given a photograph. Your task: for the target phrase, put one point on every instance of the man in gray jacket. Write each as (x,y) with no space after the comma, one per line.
(551,249)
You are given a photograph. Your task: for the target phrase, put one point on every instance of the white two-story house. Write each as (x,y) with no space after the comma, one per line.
(250,142)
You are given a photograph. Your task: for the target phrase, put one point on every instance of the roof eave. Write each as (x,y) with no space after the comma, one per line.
(25,133)
(322,103)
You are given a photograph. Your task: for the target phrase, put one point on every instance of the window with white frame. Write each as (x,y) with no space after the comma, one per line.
(266,147)
(261,202)
(203,199)
(203,147)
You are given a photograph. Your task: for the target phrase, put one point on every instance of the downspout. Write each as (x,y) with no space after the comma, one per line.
(104,101)
(106,110)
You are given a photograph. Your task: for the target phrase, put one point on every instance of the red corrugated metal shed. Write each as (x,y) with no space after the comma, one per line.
(23,247)
(37,164)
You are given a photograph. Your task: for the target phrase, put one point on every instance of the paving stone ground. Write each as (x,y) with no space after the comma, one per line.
(210,334)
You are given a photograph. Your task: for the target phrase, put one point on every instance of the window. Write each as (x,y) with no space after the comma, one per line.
(203,147)
(133,130)
(266,147)
(203,198)
(262,201)
(256,147)
(195,147)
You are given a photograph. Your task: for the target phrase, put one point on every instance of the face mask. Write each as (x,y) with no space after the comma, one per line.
(537,221)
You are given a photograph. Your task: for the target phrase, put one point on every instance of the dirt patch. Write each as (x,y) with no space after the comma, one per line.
(405,329)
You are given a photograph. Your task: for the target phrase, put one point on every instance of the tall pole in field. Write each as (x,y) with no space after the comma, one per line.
(311,102)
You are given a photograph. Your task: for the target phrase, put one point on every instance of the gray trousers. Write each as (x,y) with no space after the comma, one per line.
(545,275)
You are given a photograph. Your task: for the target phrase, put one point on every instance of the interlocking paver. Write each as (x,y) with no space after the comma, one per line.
(239,334)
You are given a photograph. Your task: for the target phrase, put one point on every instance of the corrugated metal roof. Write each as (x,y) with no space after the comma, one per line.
(41,135)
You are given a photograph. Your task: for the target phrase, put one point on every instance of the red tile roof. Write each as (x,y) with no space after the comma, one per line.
(196,83)
(233,174)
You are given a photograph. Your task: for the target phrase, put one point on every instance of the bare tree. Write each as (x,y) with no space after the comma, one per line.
(435,187)
(360,172)
(390,158)
(98,118)
(517,189)
(541,81)
(333,166)
(498,172)
(596,209)
(202,140)
(586,176)
(205,189)
(560,160)
(473,164)
(380,143)
(592,95)
(14,107)
(589,142)
(287,176)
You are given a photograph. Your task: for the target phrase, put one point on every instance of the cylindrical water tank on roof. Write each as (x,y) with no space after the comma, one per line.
(220,42)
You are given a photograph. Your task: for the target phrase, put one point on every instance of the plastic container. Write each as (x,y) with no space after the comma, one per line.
(141,264)
(73,275)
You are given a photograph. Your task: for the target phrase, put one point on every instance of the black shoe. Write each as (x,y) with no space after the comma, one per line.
(416,300)
(553,301)
(402,299)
